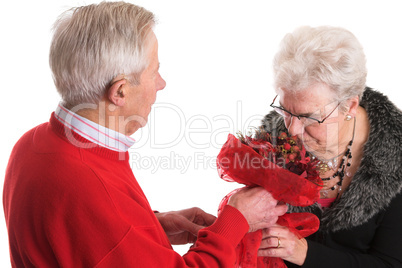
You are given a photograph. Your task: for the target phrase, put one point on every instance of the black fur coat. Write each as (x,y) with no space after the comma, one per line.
(376,188)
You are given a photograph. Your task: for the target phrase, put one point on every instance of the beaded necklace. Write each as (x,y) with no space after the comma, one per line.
(325,165)
(343,168)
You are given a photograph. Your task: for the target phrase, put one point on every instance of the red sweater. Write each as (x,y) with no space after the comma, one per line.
(82,207)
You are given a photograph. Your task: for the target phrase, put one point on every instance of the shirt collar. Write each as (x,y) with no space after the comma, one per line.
(92,131)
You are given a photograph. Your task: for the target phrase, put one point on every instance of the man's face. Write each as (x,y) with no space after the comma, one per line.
(140,98)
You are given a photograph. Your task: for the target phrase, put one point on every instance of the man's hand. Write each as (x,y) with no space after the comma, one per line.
(258,206)
(182,226)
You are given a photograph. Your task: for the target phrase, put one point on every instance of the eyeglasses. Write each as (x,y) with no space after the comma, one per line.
(307,120)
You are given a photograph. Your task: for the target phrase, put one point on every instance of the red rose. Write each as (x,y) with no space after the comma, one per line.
(287,146)
(283,135)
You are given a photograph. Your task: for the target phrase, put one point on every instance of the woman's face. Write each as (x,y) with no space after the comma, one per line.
(316,101)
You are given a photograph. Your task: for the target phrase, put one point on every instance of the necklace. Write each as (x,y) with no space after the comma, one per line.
(325,165)
(343,168)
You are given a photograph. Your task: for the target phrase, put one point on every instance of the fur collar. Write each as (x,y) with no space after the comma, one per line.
(378,179)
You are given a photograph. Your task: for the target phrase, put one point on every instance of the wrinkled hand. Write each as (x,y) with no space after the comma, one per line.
(258,206)
(182,226)
(291,248)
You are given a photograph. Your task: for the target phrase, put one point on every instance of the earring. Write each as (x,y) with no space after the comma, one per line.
(348,117)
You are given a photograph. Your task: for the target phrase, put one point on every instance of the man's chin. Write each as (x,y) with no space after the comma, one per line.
(135,125)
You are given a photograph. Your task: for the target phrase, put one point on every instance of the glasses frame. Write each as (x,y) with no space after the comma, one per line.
(302,116)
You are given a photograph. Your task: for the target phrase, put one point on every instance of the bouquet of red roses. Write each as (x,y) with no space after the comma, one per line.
(280,165)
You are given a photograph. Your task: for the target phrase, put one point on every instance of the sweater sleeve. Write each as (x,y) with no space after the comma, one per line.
(385,250)
(215,246)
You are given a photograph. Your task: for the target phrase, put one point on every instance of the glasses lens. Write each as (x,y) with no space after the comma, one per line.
(276,105)
(316,115)
(282,112)
(310,122)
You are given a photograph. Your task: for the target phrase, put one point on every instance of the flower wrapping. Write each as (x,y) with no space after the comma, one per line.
(256,164)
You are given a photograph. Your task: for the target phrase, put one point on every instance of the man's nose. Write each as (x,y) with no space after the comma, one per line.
(161,83)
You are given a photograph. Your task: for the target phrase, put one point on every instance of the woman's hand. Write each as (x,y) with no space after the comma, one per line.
(279,241)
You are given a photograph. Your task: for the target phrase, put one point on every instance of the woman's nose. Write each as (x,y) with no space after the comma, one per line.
(294,125)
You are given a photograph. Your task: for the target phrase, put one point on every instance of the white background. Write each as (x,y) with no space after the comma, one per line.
(216,58)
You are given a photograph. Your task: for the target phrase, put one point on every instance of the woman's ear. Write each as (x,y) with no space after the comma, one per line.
(116,92)
(353,104)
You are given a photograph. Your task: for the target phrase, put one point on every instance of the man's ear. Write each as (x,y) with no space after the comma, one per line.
(116,92)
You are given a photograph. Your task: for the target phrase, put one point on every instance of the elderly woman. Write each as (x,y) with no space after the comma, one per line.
(355,133)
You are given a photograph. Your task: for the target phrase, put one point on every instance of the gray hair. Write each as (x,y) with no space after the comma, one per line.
(328,55)
(93,44)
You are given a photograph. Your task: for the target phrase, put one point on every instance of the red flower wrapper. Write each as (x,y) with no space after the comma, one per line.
(281,167)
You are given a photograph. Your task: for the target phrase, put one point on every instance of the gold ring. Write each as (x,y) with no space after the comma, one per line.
(279,243)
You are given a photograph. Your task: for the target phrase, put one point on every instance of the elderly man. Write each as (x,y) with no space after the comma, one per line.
(70,197)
